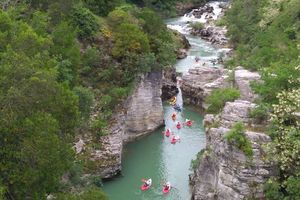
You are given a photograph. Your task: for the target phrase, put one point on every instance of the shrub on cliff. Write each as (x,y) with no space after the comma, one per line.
(236,136)
(219,97)
(197,26)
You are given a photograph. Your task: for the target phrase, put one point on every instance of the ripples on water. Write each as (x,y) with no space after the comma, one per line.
(154,156)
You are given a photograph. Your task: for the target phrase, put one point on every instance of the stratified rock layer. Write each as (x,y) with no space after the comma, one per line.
(200,81)
(224,172)
(142,114)
(144,107)
(243,79)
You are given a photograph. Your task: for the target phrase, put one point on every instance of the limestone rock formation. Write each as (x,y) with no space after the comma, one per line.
(243,78)
(225,172)
(200,81)
(169,86)
(141,113)
(108,158)
(144,107)
(184,45)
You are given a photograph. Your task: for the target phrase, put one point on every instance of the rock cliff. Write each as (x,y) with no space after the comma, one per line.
(224,172)
(144,107)
(141,114)
(200,81)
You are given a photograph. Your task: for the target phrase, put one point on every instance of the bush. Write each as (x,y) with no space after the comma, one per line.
(196,162)
(86,99)
(236,136)
(130,39)
(85,21)
(99,127)
(92,193)
(219,97)
(272,190)
(197,26)
(260,113)
(102,7)
(118,94)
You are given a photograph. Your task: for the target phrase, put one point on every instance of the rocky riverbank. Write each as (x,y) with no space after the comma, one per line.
(224,171)
(140,114)
(209,30)
(200,81)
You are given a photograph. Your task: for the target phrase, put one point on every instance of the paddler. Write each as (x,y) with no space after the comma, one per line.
(174,116)
(178,125)
(147,182)
(188,122)
(167,186)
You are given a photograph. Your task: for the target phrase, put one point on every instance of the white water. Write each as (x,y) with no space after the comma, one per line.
(199,47)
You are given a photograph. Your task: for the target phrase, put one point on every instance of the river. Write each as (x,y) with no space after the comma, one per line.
(154,156)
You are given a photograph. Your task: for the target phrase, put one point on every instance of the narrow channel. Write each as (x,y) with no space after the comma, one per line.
(154,156)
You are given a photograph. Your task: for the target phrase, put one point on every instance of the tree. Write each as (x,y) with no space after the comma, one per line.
(85,21)
(130,39)
(103,7)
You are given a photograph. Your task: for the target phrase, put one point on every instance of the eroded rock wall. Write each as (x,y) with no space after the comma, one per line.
(200,81)
(144,107)
(224,172)
(141,114)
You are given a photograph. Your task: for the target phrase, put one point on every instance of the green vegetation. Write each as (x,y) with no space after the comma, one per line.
(236,136)
(260,113)
(59,61)
(166,7)
(266,36)
(200,155)
(217,99)
(197,26)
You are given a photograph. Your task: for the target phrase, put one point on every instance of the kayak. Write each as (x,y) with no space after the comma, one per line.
(173,141)
(167,133)
(165,191)
(189,123)
(178,126)
(144,187)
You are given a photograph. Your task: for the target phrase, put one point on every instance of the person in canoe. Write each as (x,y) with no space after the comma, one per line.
(175,139)
(166,187)
(168,132)
(174,116)
(188,122)
(178,125)
(173,100)
(147,184)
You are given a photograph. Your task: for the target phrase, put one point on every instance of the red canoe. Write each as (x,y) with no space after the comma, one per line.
(143,187)
(167,133)
(173,141)
(189,123)
(165,191)
(178,126)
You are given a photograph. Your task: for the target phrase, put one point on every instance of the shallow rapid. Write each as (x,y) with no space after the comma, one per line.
(154,156)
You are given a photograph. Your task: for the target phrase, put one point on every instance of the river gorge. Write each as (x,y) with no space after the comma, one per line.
(153,156)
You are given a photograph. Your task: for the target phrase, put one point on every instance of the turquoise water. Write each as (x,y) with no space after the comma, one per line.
(155,157)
